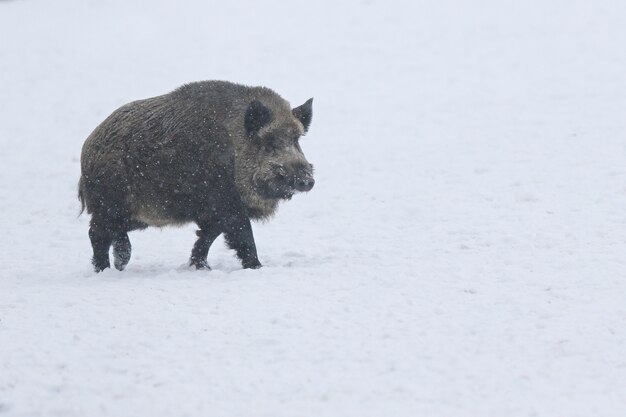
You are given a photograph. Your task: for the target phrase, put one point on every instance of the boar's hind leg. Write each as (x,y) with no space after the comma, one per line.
(121,251)
(206,236)
(238,235)
(101,239)
(104,232)
(121,244)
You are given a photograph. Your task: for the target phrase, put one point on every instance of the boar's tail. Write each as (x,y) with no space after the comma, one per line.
(81,197)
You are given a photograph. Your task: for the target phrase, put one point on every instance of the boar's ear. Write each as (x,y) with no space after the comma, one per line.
(304,113)
(257,116)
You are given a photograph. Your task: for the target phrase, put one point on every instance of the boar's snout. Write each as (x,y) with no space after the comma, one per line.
(297,177)
(302,177)
(305,183)
(282,181)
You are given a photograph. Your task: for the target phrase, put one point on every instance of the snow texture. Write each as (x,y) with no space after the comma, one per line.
(462,253)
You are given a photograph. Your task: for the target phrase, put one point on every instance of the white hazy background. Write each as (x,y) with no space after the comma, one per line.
(462,253)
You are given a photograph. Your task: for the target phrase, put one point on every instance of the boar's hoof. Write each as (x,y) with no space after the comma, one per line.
(120,260)
(252,264)
(121,252)
(200,264)
(100,265)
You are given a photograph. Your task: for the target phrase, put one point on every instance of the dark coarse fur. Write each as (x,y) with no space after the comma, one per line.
(212,152)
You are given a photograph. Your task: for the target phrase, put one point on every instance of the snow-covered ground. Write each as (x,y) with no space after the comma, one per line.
(463,252)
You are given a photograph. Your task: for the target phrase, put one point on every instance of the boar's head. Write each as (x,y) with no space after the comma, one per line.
(276,165)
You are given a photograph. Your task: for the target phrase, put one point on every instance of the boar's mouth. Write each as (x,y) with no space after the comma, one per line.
(274,189)
(280,183)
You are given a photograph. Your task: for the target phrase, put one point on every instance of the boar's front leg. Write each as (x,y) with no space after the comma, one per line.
(206,236)
(239,237)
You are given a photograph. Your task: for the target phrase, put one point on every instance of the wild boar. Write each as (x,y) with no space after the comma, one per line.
(214,153)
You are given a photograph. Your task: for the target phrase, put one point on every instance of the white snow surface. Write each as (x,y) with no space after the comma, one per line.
(462,253)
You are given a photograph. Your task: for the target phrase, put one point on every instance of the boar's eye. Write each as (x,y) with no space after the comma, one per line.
(270,144)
